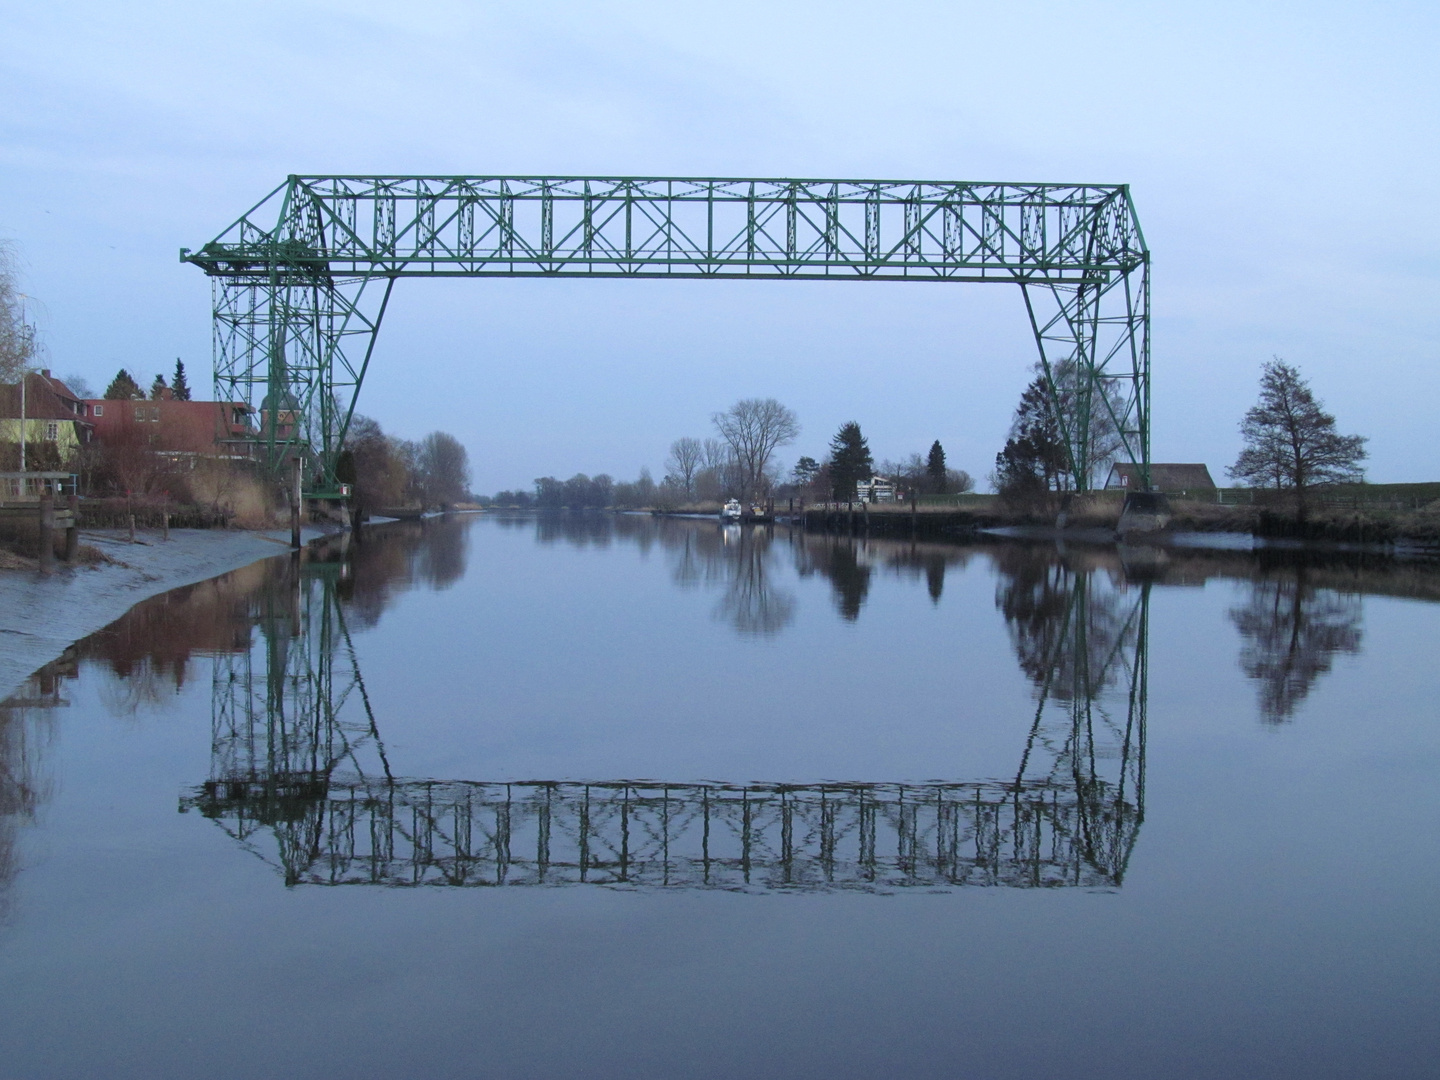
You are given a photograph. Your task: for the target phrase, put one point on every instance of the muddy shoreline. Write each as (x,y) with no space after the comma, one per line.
(40,617)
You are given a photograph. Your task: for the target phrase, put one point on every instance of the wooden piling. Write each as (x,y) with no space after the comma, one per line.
(47,531)
(72,531)
(295,502)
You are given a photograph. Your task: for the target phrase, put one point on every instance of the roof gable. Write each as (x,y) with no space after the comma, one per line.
(1165,476)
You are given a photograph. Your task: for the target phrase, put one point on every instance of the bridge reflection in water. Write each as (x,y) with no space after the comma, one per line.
(300,777)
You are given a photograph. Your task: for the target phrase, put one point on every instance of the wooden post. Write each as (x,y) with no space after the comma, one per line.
(295,503)
(72,533)
(165,523)
(912,513)
(132,528)
(47,529)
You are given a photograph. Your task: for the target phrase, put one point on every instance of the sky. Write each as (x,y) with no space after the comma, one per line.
(1282,157)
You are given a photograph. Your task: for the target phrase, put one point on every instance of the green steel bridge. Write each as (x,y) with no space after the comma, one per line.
(302,280)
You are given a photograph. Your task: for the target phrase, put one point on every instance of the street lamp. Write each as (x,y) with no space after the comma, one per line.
(26,348)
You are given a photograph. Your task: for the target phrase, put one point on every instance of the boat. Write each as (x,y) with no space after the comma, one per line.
(731,511)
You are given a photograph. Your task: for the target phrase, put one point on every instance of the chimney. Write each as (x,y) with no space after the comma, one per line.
(45,373)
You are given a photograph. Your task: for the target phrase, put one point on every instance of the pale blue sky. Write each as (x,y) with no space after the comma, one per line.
(1283,159)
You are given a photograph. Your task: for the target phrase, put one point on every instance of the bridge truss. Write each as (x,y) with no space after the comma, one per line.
(302,280)
(297,759)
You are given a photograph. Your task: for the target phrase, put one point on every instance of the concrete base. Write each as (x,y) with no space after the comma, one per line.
(1145,512)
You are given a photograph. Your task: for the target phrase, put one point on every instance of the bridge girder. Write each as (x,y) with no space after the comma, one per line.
(302,280)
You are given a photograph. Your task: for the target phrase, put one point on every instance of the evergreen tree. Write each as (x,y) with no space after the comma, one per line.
(157,388)
(1034,459)
(806,469)
(1291,441)
(850,461)
(124,388)
(178,386)
(935,468)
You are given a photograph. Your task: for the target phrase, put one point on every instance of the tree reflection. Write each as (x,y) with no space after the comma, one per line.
(1291,633)
(841,560)
(752,604)
(1066,620)
(1081,635)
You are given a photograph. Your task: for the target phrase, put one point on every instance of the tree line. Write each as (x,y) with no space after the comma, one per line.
(739,462)
(1290,443)
(386,472)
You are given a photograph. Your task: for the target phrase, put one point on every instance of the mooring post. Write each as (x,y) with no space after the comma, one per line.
(47,529)
(166,524)
(912,513)
(295,502)
(72,531)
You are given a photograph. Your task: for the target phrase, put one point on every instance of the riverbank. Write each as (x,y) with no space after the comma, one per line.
(41,616)
(1090,519)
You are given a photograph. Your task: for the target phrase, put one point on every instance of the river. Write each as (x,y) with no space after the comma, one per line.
(603,796)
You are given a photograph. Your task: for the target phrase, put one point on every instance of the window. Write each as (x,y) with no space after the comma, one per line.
(99,410)
(52,431)
(139,414)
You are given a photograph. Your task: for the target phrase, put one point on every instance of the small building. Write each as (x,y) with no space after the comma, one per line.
(1171,478)
(53,415)
(877,489)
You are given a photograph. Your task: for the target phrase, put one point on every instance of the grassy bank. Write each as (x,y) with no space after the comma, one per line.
(1372,523)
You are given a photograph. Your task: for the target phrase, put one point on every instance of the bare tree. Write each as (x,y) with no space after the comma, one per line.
(444,468)
(714,454)
(1078,393)
(686,458)
(17,338)
(1290,440)
(753,429)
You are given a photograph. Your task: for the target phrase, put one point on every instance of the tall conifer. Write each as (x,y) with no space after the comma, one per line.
(178,386)
(935,468)
(850,461)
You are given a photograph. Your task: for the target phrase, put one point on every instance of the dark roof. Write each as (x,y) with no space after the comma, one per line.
(1168,476)
(46,398)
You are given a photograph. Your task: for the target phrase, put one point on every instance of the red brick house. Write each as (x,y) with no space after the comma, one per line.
(212,428)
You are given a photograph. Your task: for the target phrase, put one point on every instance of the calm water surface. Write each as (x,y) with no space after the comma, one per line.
(617,797)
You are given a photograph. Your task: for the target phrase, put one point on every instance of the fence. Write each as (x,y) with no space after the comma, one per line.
(27,487)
